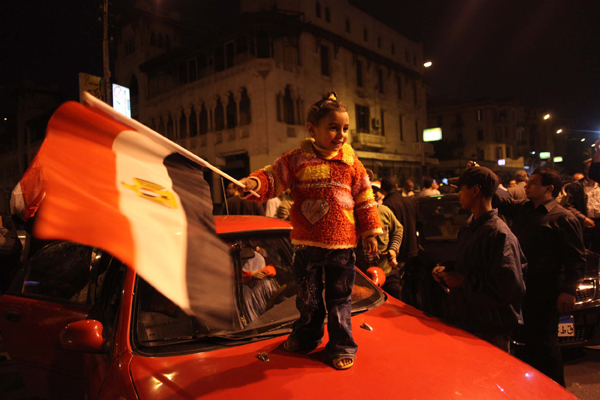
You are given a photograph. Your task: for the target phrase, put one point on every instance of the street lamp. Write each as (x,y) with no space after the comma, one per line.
(428,64)
(547,116)
(583,139)
(559,131)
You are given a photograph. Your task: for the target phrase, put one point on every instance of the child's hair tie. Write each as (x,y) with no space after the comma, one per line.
(332,97)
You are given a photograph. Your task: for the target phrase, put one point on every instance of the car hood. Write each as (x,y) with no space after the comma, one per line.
(406,355)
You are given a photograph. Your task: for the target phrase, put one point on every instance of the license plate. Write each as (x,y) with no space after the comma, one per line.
(566,326)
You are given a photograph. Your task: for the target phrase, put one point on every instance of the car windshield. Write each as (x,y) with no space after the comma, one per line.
(266,307)
(442,219)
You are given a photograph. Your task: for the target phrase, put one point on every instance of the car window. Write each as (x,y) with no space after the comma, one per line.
(264,305)
(442,220)
(63,271)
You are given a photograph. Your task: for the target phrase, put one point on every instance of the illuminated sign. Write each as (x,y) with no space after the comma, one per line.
(544,155)
(121,102)
(501,161)
(558,159)
(432,134)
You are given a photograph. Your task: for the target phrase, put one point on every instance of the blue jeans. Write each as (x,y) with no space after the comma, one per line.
(338,264)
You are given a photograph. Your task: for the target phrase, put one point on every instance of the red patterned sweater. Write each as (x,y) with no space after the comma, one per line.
(333,200)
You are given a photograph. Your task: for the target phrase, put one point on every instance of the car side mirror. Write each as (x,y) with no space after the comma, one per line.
(84,336)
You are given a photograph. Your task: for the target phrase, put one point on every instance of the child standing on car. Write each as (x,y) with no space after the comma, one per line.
(333,205)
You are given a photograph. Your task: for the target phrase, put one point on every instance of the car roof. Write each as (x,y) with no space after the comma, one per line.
(248,223)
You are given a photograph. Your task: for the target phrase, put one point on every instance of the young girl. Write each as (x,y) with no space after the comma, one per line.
(333,205)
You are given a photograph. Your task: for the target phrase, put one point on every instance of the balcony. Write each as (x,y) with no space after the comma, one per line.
(367,140)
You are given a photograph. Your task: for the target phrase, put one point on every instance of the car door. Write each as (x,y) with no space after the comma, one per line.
(52,290)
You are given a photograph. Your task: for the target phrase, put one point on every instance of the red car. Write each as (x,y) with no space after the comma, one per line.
(78,324)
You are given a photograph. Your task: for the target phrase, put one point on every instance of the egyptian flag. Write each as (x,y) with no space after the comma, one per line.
(114,184)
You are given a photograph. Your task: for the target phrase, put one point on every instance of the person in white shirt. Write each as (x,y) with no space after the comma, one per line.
(428,189)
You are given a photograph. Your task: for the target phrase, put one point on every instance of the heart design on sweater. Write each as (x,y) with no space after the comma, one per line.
(314,210)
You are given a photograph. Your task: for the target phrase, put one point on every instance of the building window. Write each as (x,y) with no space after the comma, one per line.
(231,112)
(366,35)
(152,38)
(415,59)
(170,129)
(480,154)
(160,40)
(348,27)
(327,14)
(459,137)
(318,9)
(416,93)
(382,123)
(499,152)
(288,107)
(219,116)
(278,102)
(478,115)
(379,42)
(480,135)
(401,128)
(245,114)
(359,73)
(193,121)
(219,58)
(192,70)
(167,42)
(182,125)
(362,118)
(183,76)
(440,121)
(393,49)
(325,60)
(417,134)
(229,55)
(399,84)
(203,121)
(263,44)
(380,80)
(407,54)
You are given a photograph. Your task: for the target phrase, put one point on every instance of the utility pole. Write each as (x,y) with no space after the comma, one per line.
(106,70)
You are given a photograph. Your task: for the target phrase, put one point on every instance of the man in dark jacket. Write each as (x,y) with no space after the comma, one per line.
(238,206)
(552,241)
(405,211)
(583,200)
(486,279)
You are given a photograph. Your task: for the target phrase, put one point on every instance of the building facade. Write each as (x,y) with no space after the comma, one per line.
(25,130)
(236,92)
(494,133)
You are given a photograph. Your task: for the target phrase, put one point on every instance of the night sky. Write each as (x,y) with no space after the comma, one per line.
(543,53)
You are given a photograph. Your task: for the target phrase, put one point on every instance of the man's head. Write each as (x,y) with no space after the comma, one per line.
(427,182)
(476,184)
(512,183)
(521,176)
(388,185)
(230,189)
(578,176)
(409,186)
(376,187)
(544,184)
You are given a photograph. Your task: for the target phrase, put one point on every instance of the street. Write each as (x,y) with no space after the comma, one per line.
(582,372)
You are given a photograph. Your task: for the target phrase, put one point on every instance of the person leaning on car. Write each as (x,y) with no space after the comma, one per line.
(486,277)
(552,241)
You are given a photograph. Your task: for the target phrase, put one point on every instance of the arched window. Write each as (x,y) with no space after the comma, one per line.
(348,26)
(152,38)
(245,114)
(231,112)
(203,120)
(288,107)
(160,40)
(318,9)
(182,125)
(170,130)
(219,116)
(327,14)
(193,123)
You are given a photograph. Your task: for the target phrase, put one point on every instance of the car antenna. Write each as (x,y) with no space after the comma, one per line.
(224,196)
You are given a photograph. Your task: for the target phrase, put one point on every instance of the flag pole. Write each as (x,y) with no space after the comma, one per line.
(157,137)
